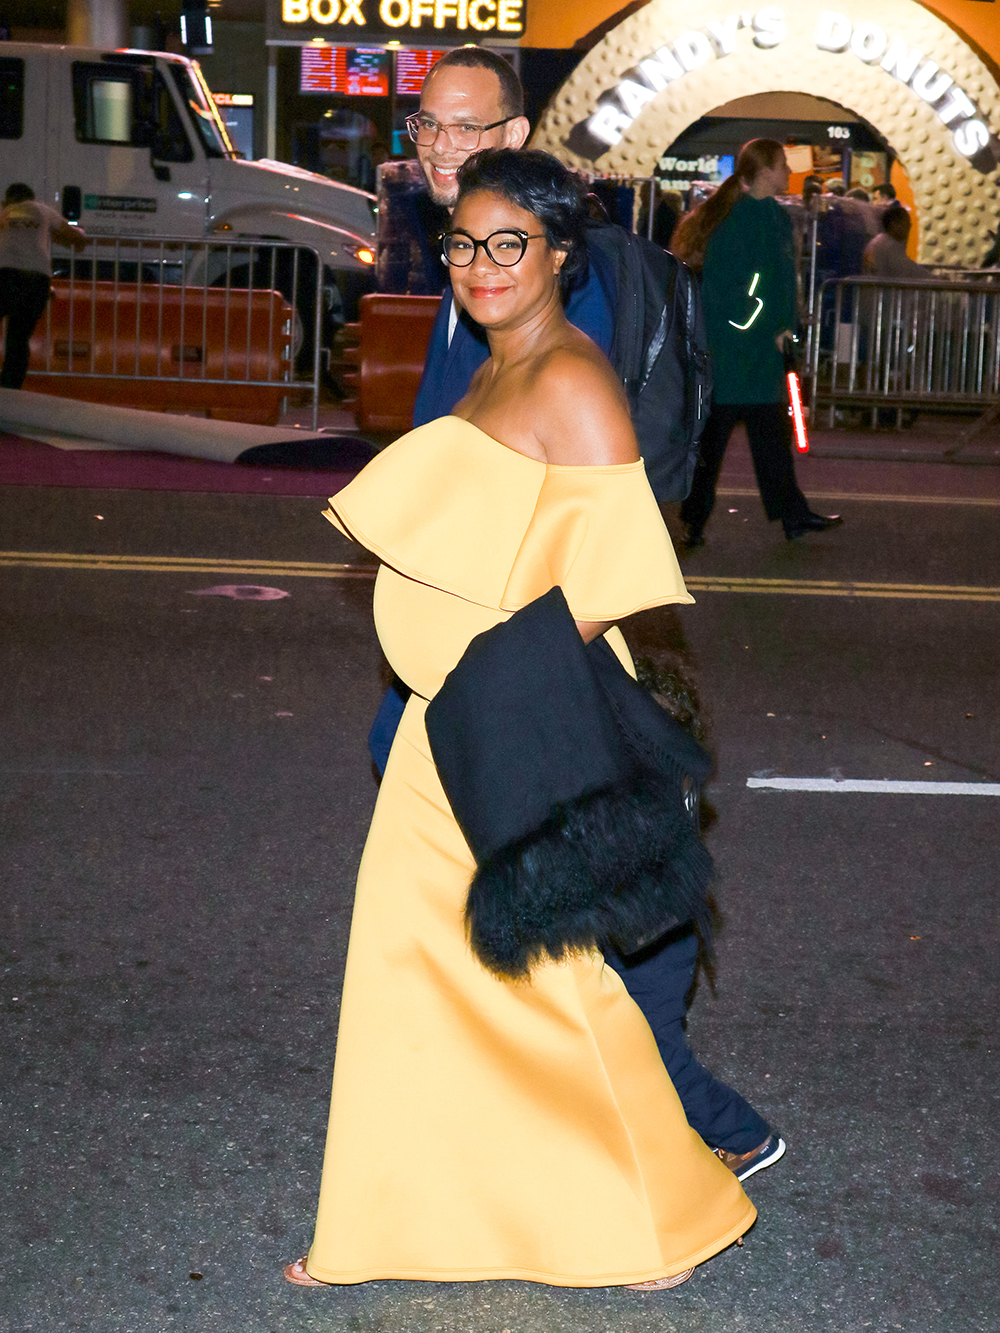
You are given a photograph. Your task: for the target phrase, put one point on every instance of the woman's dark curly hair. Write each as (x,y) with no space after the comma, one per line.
(541,185)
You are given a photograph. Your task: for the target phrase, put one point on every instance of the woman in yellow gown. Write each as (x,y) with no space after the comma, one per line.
(484,1128)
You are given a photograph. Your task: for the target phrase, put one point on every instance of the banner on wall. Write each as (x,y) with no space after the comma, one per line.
(423,22)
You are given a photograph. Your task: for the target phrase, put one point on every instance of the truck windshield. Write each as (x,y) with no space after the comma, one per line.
(191,85)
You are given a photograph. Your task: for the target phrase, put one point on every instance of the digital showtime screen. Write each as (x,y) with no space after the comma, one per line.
(412,67)
(357,71)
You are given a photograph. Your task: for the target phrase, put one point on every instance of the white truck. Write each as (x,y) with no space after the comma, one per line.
(131,143)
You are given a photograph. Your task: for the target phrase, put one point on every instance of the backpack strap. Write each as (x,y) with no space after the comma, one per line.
(696,357)
(610,243)
(667,317)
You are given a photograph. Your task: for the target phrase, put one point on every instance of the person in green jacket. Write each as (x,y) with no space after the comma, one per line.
(741,240)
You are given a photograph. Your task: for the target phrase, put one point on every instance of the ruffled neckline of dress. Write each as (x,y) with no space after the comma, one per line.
(452,507)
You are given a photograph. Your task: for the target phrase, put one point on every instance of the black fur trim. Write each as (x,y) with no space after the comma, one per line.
(622,865)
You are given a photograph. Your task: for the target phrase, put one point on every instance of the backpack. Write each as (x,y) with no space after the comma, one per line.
(659,352)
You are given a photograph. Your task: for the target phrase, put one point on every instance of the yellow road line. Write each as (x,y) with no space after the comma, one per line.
(157,564)
(153,564)
(874,498)
(830,588)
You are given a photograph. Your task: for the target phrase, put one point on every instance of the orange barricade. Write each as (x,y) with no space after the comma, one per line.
(166,348)
(392,343)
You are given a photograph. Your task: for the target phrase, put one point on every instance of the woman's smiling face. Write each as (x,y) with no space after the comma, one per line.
(495,296)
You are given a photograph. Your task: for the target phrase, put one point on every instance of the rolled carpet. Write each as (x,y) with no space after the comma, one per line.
(43,417)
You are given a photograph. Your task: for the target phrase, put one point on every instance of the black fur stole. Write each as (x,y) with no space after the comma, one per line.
(567,780)
(619,866)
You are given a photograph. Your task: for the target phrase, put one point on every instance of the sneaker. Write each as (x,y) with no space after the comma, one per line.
(744,1165)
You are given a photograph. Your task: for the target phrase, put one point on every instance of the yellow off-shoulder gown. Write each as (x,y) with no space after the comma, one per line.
(481,1128)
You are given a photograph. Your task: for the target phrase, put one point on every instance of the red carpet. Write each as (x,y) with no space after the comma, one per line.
(30,463)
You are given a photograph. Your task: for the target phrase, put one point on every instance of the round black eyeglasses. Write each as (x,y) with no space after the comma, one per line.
(505,248)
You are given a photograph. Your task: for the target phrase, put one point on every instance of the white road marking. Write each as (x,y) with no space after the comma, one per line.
(877,785)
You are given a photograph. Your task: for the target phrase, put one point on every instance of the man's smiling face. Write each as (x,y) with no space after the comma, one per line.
(459,95)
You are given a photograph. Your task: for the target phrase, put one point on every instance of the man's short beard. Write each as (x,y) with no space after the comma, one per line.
(446,201)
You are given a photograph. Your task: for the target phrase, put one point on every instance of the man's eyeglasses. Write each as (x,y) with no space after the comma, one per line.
(424,130)
(505,248)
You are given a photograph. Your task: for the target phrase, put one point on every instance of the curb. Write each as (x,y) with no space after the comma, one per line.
(861,450)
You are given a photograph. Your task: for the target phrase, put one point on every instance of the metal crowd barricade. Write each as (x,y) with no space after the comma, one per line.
(906,344)
(228,327)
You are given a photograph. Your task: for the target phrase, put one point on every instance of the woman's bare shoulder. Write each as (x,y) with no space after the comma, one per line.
(579,410)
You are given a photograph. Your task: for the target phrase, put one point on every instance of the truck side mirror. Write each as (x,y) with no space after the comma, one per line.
(72,203)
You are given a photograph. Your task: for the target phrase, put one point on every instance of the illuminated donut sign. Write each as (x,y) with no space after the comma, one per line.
(835,32)
(438,21)
(893,63)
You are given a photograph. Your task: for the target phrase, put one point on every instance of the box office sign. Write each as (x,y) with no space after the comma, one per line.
(441,22)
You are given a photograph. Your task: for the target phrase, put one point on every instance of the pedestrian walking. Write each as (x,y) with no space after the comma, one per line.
(471,100)
(486,1125)
(742,242)
(27,229)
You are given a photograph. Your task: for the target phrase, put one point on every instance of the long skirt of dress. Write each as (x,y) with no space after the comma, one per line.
(486,1129)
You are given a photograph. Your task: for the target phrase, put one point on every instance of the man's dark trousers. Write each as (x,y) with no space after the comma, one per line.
(659,980)
(23,295)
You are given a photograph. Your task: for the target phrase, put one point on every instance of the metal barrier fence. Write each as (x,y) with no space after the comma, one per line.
(906,344)
(230,327)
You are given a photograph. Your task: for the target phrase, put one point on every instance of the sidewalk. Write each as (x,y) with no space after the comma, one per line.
(931,439)
(91,464)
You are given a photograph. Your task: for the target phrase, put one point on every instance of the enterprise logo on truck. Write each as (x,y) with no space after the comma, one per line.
(118,203)
(393,18)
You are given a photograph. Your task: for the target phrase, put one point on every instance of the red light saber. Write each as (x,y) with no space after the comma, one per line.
(798,415)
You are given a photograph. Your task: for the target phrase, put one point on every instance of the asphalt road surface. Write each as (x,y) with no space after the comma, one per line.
(185,793)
